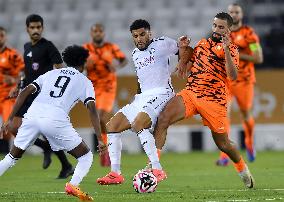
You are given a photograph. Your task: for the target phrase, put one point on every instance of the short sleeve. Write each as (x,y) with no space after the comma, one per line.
(54,54)
(192,59)
(89,92)
(251,36)
(118,54)
(171,46)
(39,82)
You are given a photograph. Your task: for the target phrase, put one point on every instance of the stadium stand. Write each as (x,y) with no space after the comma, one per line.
(186,16)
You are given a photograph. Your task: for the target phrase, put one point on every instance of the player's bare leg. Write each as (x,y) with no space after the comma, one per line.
(225,145)
(248,125)
(85,159)
(115,126)
(104,118)
(173,112)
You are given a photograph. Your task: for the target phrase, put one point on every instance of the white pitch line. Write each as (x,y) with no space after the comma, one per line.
(240,190)
(255,199)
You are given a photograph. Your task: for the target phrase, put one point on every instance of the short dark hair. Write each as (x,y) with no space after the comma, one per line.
(140,23)
(225,16)
(75,56)
(3,29)
(34,18)
(235,4)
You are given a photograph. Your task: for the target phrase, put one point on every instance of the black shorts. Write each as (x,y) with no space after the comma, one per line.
(26,105)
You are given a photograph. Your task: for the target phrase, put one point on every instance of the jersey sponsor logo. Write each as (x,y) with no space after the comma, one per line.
(35,66)
(146,61)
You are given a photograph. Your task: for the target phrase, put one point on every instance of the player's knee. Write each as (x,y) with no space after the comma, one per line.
(112,127)
(139,125)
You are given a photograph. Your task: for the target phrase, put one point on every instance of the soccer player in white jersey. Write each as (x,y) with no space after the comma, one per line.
(59,90)
(151,59)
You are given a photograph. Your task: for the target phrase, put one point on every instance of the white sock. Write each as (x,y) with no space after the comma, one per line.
(148,142)
(8,162)
(114,150)
(82,168)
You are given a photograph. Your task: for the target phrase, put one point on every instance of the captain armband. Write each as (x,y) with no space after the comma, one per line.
(254,47)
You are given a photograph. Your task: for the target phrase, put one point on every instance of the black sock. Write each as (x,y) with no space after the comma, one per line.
(63,159)
(44,145)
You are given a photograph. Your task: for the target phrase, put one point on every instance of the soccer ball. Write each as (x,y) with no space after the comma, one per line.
(144,182)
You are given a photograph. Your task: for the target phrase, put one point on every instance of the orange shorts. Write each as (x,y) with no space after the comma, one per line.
(244,93)
(213,115)
(105,100)
(6,107)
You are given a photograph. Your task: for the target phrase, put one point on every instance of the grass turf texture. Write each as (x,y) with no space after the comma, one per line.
(191,177)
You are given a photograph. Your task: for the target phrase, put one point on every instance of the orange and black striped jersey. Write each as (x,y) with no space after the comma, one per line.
(243,37)
(11,63)
(100,57)
(208,78)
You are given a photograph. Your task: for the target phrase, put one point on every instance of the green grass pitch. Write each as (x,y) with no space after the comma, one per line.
(191,177)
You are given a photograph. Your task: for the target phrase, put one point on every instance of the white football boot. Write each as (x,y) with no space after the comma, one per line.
(247,178)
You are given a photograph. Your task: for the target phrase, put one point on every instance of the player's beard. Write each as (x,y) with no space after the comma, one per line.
(145,47)
(98,41)
(236,22)
(216,39)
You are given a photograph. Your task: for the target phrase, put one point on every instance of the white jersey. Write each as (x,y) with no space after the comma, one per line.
(60,90)
(152,65)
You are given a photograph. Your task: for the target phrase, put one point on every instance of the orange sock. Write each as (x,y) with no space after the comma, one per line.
(104,138)
(223,155)
(159,153)
(249,132)
(240,166)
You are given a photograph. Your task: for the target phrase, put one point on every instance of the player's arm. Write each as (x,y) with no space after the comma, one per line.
(95,120)
(231,68)
(185,53)
(18,104)
(122,62)
(256,57)
(138,87)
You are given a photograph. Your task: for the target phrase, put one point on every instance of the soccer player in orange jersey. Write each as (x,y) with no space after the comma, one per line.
(243,87)
(214,60)
(105,58)
(11,63)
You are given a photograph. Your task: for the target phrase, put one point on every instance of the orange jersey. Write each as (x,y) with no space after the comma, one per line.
(11,63)
(99,59)
(243,37)
(208,79)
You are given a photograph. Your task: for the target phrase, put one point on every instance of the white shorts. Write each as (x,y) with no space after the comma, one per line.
(150,104)
(60,133)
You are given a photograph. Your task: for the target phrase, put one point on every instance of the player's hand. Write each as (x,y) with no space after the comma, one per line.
(14,92)
(226,41)
(183,42)
(9,80)
(102,148)
(4,129)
